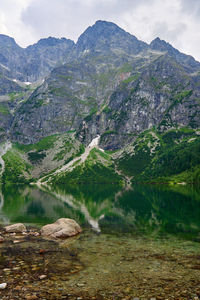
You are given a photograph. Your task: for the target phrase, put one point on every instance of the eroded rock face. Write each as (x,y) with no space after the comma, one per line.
(62,228)
(18,228)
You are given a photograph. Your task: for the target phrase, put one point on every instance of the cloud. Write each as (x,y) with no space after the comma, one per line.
(191,7)
(176,21)
(10,18)
(70,18)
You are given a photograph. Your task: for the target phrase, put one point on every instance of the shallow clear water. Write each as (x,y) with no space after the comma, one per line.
(148,247)
(141,209)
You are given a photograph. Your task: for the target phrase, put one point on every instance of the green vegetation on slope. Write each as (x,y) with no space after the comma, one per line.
(15,168)
(182,159)
(98,168)
(4,109)
(44,144)
(142,151)
(173,157)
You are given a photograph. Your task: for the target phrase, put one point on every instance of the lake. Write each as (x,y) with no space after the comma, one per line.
(140,209)
(142,241)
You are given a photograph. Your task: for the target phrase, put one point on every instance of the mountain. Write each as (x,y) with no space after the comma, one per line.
(108,37)
(45,55)
(35,61)
(140,100)
(187,61)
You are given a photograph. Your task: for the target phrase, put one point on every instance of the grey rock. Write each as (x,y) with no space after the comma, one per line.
(15,228)
(62,228)
(3,286)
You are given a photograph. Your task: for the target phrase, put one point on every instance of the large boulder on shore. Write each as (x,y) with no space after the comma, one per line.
(62,228)
(17,228)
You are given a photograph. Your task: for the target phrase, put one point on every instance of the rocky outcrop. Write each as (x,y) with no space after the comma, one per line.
(62,228)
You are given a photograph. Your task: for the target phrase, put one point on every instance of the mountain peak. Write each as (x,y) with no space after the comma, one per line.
(102,23)
(50,42)
(104,36)
(158,44)
(7,40)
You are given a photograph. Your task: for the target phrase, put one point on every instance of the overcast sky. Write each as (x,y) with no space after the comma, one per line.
(176,21)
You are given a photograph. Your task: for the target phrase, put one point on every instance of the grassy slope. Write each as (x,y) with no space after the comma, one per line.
(17,170)
(173,156)
(98,168)
(26,162)
(176,157)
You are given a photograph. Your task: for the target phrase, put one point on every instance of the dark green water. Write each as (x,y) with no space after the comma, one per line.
(149,210)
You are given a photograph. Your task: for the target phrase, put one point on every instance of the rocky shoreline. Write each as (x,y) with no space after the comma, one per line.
(91,266)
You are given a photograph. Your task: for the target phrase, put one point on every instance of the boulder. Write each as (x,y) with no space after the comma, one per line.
(16,228)
(62,228)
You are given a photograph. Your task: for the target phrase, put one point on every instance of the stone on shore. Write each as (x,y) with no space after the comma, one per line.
(3,286)
(16,228)
(62,228)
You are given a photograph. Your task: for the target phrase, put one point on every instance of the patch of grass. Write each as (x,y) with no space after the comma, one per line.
(125,68)
(107,110)
(15,168)
(44,144)
(66,148)
(182,95)
(130,79)
(4,110)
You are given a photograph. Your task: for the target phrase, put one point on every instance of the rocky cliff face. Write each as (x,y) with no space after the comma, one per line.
(34,62)
(111,84)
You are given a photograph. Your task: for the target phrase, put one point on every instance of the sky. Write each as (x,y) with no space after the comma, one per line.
(175,21)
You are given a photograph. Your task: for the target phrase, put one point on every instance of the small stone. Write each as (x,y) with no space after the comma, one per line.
(42,251)
(19,227)
(3,286)
(1,239)
(42,277)
(35,268)
(36,234)
(18,288)
(31,297)
(80,284)
(6,270)
(16,241)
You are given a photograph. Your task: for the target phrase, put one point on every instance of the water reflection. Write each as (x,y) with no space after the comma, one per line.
(108,208)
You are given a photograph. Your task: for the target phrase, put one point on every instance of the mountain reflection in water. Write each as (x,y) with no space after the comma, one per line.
(141,209)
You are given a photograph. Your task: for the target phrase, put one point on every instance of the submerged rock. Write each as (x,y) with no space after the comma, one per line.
(41,277)
(3,286)
(18,227)
(62,228)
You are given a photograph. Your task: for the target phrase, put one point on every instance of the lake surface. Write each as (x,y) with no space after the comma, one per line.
(148,209)
(149,246)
